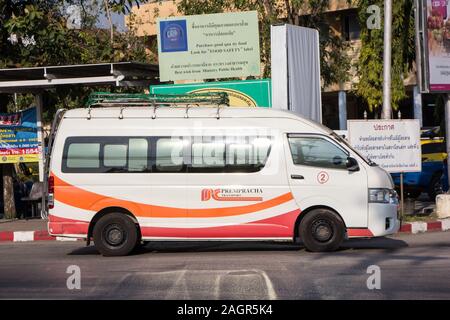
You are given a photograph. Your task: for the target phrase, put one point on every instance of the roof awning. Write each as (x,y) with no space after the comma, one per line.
(130,74)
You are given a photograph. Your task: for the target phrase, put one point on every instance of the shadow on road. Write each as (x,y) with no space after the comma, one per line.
(376,243)
(223,246)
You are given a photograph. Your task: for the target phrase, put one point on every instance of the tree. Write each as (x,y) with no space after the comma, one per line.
(370,63)
(35,33)
(334,62)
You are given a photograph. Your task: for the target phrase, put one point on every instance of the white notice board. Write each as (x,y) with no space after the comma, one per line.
(393,144)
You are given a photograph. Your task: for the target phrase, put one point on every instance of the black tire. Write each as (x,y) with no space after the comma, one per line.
(435,187)
(115,234)
(322,230)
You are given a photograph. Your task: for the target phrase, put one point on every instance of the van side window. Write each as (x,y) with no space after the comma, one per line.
(115,155)
(229,153)
(208,152)
(317,152)
(169,154)
(137,155)
(83,155)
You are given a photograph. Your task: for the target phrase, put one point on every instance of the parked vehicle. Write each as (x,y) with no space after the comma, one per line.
(429,179)
(124,175)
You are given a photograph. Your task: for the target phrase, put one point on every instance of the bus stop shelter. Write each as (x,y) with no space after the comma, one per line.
(37,80)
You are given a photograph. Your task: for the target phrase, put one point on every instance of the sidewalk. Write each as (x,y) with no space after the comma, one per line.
(26,230)
(23,225)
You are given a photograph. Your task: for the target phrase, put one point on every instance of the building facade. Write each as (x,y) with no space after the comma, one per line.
(339,101)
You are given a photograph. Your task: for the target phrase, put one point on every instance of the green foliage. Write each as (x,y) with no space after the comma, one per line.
(370,64)
(334,62)
(35,33)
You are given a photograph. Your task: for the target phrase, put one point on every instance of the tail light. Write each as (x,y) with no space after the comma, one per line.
(51,191)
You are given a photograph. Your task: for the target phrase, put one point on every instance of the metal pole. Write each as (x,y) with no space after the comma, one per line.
(418,105)
(40,139)
(402,206)
(447,134)
(386,112)
(342,110)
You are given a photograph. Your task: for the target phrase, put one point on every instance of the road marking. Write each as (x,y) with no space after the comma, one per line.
(270,290)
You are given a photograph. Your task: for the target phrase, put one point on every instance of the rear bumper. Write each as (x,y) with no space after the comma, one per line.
(383,219)
(63,227)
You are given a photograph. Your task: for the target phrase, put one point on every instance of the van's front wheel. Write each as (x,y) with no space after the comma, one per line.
(322,230)
(115,234)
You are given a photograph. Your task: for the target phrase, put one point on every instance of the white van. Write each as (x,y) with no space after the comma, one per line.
(123,176)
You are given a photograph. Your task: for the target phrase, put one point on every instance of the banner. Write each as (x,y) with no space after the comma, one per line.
(18,137)
(295,63)
(438,38)
(392,144)
(209,46)
(242,93)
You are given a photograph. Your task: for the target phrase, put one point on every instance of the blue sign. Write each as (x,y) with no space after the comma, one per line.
(18,137)
(173,36)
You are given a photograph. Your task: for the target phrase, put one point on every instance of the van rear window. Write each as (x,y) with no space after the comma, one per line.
(83,155)
(105,155)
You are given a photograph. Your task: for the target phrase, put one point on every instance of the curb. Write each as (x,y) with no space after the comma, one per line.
(420,227)
(26,236)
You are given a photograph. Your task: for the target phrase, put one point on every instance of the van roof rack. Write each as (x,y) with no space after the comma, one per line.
(109,99)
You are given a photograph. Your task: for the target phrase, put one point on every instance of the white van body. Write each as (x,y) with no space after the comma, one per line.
(210,174)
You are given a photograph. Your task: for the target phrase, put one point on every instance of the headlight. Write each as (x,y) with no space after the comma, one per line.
(379,195)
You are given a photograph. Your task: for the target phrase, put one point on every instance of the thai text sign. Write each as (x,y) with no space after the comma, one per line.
(209,46)
(18,137)
(393,144)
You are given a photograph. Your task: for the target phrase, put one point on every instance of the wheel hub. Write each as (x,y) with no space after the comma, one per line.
(114,235)
(322,230)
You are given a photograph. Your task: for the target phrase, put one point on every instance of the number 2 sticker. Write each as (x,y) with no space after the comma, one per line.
(322,177)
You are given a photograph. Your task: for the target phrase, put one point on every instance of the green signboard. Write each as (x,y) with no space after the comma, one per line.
(209,46)
(242,93)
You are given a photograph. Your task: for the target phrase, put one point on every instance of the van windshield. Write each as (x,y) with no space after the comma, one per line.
(345,142)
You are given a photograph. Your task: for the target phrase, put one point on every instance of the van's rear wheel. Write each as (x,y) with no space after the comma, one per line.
(322,230)
(115,234)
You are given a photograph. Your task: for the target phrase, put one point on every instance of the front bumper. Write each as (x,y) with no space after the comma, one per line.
(383,219)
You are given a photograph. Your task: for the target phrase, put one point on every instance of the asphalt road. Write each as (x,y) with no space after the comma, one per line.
(411,267)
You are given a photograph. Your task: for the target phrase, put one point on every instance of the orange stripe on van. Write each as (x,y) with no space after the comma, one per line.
(83,199)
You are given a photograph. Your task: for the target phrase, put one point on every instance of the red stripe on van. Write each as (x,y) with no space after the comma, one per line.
(276,227)
(359,232)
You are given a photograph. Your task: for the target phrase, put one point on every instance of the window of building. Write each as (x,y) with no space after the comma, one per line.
(351,29)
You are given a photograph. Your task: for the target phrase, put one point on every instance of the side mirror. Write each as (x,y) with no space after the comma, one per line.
(352,164)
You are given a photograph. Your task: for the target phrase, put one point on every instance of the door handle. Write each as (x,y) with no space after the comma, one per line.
(297,176)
